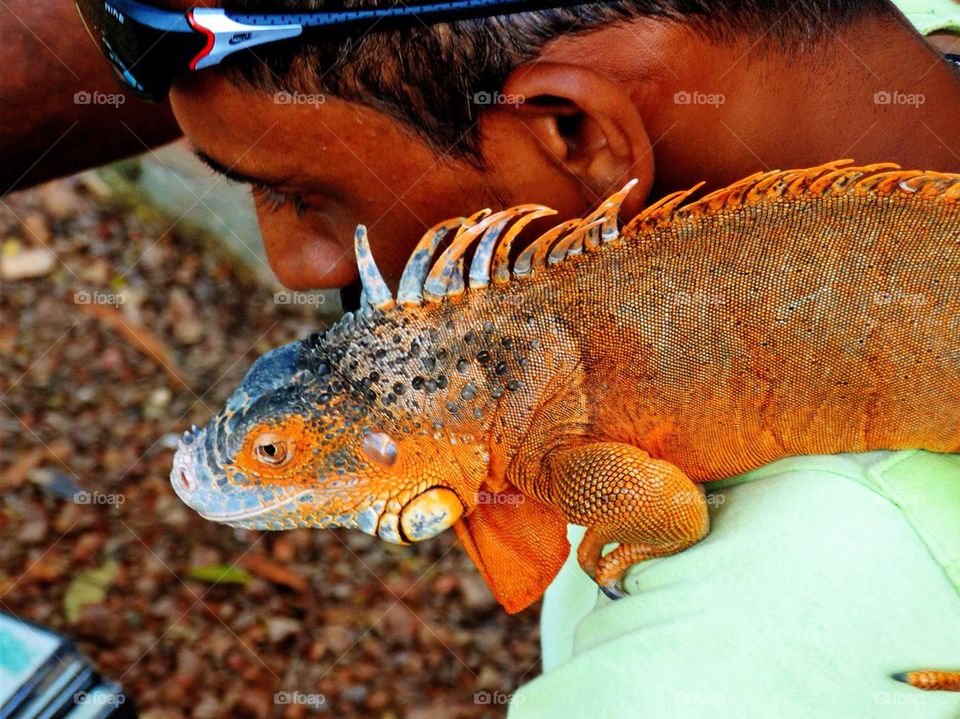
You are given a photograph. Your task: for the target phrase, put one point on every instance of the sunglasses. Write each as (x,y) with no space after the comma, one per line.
(148,47)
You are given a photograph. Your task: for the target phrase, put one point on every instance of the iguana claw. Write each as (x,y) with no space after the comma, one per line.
(614,591)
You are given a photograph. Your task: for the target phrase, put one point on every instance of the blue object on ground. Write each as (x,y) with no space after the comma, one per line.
(44,676)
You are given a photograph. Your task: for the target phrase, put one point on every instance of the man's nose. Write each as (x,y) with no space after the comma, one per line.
(307,252)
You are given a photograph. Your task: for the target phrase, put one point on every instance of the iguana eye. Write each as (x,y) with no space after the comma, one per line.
(270,448)
(380,448)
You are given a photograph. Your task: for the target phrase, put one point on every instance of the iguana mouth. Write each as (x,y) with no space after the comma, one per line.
(190,482)
(254,512)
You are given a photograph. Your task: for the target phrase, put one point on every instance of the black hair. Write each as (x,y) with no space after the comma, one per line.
(430,78)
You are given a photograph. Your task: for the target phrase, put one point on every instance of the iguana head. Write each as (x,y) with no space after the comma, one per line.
(314,438)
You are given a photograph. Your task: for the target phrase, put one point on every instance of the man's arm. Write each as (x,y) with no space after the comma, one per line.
(60,109)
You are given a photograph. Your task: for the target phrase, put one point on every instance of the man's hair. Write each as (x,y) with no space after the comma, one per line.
(430,77)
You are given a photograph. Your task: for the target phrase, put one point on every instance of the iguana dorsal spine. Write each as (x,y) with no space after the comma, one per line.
(422,281)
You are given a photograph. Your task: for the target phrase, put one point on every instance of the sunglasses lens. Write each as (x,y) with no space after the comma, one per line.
(144,58)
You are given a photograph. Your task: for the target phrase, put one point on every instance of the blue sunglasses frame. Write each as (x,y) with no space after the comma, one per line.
(147,47)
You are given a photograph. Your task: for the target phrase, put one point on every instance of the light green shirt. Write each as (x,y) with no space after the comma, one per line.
(815,584)
(929,16)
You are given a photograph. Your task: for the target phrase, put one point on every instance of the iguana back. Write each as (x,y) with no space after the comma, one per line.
(811,321)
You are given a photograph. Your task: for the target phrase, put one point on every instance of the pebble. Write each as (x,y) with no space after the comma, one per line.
(476,594)
(60,200)
(187,327)
(279,628)
(208,708)
(157,401)
(156,256)
(85,394)
(171,440)
(203,555)
(35,228)
(33,531)
(444,584)
(355,693)
(133,300)
(489,677)
(27,264)
(111,360)
(283,551)
(336,639)
(97,272)
(164,607)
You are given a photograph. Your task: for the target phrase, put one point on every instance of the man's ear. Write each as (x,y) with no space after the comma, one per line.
(586,122)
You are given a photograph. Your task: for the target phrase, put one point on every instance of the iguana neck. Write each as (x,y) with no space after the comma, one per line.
(473,370)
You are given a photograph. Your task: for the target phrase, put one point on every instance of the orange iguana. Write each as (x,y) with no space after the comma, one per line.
(605,373)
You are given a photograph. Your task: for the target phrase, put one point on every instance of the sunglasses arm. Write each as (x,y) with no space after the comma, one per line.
(226,36)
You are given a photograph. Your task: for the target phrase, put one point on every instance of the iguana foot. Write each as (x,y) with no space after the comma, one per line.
(622,494)
(590,555)
(931,680)
(607,570)
(613,565)
(590,551)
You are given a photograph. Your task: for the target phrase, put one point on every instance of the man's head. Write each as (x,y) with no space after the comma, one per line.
(399,129)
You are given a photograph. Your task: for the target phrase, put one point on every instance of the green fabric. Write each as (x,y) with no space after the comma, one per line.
(935,515)
(929,16)
(811,589)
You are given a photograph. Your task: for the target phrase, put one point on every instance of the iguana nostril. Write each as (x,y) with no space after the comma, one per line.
(186,482)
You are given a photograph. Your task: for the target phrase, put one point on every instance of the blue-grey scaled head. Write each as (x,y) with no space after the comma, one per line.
(306,442)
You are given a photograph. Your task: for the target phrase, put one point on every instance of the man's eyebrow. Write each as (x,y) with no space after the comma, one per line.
(229,172)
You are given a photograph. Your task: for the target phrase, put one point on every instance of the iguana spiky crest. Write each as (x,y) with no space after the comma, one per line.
(431,283)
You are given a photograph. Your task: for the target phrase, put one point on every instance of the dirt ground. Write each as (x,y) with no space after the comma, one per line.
(117,332)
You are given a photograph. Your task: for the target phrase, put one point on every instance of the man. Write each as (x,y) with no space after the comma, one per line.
(768,86)
(821,585)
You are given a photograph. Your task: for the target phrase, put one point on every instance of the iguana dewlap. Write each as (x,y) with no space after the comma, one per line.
(605,373)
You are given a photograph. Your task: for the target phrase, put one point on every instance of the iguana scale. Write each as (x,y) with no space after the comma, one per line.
(605,373)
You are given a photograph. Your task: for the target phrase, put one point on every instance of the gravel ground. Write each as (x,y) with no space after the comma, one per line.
(116,333)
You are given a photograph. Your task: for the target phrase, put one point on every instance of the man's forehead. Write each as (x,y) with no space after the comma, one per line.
(247,130)
(242,129)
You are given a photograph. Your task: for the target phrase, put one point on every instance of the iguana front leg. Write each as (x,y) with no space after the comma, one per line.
(622,494)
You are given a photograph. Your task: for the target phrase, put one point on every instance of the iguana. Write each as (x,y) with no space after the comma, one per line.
(604,373)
